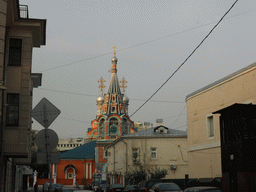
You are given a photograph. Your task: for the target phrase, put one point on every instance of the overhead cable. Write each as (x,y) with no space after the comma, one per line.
(185,59)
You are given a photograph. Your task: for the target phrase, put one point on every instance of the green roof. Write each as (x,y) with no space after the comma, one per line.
(86,151)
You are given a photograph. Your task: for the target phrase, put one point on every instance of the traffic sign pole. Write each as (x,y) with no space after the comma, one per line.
(45,113)
(47,144)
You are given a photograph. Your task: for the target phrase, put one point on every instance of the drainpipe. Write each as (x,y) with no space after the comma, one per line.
(126,158)
(114,164)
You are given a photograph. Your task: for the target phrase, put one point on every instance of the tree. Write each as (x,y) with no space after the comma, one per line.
(158,173)
(134,177)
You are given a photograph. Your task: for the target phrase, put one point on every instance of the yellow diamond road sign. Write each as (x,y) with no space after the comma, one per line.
(45,113)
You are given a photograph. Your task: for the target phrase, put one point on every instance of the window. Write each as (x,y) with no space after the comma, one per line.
(210,126)
(105,153)
(125,126)
(153,153)
(102,127)
(15,52)
(135,154)
(113,109)
(12,111)
(70,175)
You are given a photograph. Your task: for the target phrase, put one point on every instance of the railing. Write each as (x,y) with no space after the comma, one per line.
(23,11)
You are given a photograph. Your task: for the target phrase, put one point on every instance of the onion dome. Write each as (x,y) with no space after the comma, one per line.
(125,99)
(114,59)
(100,99)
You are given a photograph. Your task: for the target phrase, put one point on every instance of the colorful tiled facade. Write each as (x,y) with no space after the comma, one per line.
(112,120)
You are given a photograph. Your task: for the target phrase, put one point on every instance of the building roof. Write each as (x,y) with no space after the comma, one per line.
(152,133)
(221,80)
(86,151)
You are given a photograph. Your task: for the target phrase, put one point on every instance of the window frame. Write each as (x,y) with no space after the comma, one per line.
(153,150)
(70,177)
(14,50)
(137,150)
(12,105)
(105,153)
(210,126)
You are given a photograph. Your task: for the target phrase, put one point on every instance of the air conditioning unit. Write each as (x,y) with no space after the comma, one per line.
(173,167)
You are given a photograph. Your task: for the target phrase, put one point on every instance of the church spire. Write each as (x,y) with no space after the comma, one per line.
(114,61)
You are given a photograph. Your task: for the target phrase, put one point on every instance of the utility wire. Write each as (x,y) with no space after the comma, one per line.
(185,59)
(72,63)
(96,96)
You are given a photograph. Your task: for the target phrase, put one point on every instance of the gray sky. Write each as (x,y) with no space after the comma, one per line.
(79,30)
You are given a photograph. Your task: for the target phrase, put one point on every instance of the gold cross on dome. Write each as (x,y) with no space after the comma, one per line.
(114,50)
(101,86)
(123,84)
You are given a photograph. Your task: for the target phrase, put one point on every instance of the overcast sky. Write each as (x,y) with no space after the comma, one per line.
(153,37)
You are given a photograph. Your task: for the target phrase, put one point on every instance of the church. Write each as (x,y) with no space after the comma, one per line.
(112,120)
(88,162)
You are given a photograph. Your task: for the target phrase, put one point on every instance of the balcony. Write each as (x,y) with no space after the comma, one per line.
(24,11)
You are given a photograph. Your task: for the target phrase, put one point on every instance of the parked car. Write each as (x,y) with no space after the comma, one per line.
(145,185)
(68,189)
(103,188)
(56,187)
(116,188)
(163,187)
(131,188)
(46,186)
(83,190)
(202,188)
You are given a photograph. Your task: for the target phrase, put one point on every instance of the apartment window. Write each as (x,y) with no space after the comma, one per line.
(153,153)
(135,154)
(15,52)
(12,111)
(210,126)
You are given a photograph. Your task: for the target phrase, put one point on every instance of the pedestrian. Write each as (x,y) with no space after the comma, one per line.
(35,187)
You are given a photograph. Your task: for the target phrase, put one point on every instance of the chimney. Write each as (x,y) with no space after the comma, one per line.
(159,122)
(146,125)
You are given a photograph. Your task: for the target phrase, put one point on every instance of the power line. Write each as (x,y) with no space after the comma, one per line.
(83,94)
(185,59)
(72,63)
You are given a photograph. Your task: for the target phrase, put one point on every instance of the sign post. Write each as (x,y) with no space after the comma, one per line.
(45,113)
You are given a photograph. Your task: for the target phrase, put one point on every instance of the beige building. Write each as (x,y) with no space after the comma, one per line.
(204,152)
(18,36)
(70,143)
(155,147)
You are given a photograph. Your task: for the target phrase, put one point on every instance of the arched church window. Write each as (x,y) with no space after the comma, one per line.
(113,123)
(102,127)
(125,126)
(113,98)
(113,109)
